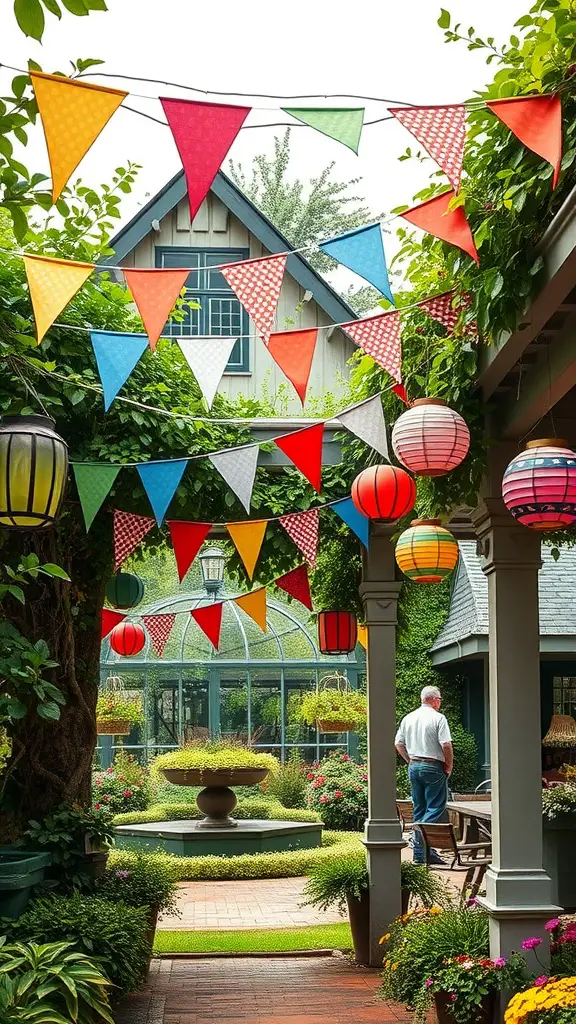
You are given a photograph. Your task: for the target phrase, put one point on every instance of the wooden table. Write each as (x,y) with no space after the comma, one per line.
(470,812)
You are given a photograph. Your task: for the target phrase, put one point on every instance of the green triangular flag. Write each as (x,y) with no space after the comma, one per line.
(93,483)
(344,124)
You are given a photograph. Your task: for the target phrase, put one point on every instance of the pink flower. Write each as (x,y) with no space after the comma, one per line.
(324,799)
(346,757)
(105,796)
(109,771)
(541,980)
(98,782)
(532,943)
(472,902)
(364,777)
(500,962)
(311,776)
(338,794)
(551,925)
(429,982)
(127,792)
(453,997)
(96,807)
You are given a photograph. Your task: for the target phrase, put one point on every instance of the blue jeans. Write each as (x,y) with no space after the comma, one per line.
(429,787)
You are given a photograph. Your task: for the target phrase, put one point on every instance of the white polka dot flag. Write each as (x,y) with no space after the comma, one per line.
(442,132)
(442,309)
(257,284)
(129,530)
(159,628)
(302,528)
(380,337)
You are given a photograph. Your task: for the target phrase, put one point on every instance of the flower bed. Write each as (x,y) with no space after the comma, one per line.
(338,790)
(122,787)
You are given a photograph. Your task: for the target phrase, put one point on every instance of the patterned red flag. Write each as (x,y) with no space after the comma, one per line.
(129,530)
(442,309)
(380,337)
(296,584)
(294,352)
(187,539)
(442,132)
(304,448)
(302,528)
(537,122)
(451,226)
(258,283)
(109,620)
(209,619)
(159,628)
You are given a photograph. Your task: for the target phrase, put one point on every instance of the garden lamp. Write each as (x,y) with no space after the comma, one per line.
(212,562)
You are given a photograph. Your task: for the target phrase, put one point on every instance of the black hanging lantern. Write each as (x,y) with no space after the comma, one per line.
(337,632)
(124,590)
(33,472)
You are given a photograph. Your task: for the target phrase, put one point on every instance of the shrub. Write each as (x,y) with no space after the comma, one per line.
(214,755)
(288,783)
(465,771)
(114,704)
(402,781)
(252,808)
(64,833)
(333,881)
(338,790)
(122,787)
(149,881)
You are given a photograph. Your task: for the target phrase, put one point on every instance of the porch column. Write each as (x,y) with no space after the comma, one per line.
(518,890)
(383,835)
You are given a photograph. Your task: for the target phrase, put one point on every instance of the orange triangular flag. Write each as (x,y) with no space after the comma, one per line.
(451,226)
(537,122)
(294,351)
(363,635)
(254,605)
(248,539)
(155,292)
(52,283)
(73,115)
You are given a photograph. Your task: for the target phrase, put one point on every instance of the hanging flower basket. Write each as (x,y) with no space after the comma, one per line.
(116,713)
(334,707)
(325,725)
(113,726)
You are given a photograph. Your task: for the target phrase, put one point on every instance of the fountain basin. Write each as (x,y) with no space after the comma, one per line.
(190,839)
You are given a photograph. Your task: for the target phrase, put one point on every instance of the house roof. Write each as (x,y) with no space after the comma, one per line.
(257,223)
(465,632)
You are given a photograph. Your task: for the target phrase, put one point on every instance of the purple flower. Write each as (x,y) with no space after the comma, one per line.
(532,943)
(472,902)
(429,982)
(551,925)
(500,962)
(123,874)
(541,980)
(453,997)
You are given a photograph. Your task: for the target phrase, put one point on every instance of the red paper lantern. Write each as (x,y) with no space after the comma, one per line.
(127,639)
(539,485)
(337,632)
(384,492)
(430,438)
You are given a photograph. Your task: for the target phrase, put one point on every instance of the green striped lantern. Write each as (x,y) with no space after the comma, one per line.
(124,590)
(426,552)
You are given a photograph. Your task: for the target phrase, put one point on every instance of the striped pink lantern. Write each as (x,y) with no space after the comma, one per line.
(430,438)
(539,485)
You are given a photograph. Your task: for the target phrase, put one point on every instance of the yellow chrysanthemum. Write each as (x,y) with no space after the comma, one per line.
(384,938)
(552,995)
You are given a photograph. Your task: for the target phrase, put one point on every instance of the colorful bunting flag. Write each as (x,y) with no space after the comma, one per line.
(248,538)
(159,628)
(297,584)
(187,539)
(362,251)
(537,122)
(451,226)
(209,619)
(302,528)
(52,283)
(207,357)
(442,132)
(367,422)
(203,133)
(380,336)
(73,115)
(116,357)
(155,292)
(160,480)
(363,636)
(350,515)
(93,483)
(254,604)
(442,309)
(238,468)
(304,449)
(129,530)
(400,390)
(294,352)
(343,124)
(109,620)
(257,284)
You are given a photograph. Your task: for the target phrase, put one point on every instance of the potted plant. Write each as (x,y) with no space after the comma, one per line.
(141,880)
(78,839)
(548,1001)
(117,714)
(20,871)
(215,765)
(334,706)
(465,987)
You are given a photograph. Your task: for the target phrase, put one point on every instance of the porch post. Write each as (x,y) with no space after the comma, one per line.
(383,835)
(518,890)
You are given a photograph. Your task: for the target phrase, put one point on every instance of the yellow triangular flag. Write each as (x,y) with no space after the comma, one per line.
(52,284)
(248,539)
(363,636)
(254,604)
(73,115)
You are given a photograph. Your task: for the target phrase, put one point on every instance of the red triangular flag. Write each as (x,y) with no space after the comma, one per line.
(400,390)
(159,628)
(380,337)
(187,539)
(129,530)
(155,292)
(296,584)
(294,351)
(449,225)
(257,284)
(304,448)
(302,527)
(537,122)
(109,620)
(209,619)
(203,133)
(442,309)
(442,132)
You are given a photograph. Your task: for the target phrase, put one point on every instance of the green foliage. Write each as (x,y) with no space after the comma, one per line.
(149,881)
(465,771)
(338,569)
(65,833)
(332,704)
(22,684)
(559,802)
(114,705)
(215,755)
(30,16)
(338,790)
(288,783)
(332,882)
(122,787)
(469,980)
(248,808)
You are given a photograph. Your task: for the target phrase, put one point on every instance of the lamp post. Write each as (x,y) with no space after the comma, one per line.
(212,562)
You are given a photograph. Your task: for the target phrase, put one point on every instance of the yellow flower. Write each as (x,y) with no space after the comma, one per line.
(384,938)
(387,963)
(394,967)
(435,910)
(554,994)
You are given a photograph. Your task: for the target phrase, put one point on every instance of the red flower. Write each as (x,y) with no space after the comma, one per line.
(127,792)
(324,799)
(310,776)
(338,794)
(96,807)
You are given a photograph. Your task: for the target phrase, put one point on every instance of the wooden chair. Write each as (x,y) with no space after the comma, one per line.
(405,809)
(473,858)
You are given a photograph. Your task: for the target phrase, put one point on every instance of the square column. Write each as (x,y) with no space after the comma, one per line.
(383,834)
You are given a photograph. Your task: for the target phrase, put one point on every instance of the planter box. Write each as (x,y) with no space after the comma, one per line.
(20,871)
(559,841)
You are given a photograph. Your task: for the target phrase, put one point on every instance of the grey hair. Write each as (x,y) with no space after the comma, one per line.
(429,693)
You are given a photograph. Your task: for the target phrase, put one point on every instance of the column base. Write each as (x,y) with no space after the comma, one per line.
(383,841)
(519,904)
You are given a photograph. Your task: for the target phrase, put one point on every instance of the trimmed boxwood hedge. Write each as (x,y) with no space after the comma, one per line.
(258,809)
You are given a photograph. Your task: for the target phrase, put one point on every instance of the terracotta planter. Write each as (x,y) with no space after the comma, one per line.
(359,915)
(216,800)
(342,726)
(113,727)
(445,1014)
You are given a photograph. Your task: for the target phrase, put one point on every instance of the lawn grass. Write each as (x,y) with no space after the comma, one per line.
(255,940)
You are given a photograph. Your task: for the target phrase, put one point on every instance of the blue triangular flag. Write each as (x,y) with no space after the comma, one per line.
(362,251)
(160,480)
(358,523)
(116,356)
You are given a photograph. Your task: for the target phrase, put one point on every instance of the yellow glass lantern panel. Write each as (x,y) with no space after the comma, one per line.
(33,472)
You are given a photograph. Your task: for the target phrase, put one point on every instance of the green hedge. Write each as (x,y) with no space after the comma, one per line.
(258,809)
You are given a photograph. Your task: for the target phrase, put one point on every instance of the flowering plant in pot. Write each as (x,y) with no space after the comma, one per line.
(334,706)
(548,1001)
(117,714)
(465,987)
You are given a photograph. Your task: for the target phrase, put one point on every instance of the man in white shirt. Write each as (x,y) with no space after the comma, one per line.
(424,741)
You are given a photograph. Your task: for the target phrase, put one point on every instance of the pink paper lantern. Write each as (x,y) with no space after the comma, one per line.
(430,438)
(539,485)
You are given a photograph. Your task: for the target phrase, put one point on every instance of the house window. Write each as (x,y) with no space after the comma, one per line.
(565,695)
(220,311)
